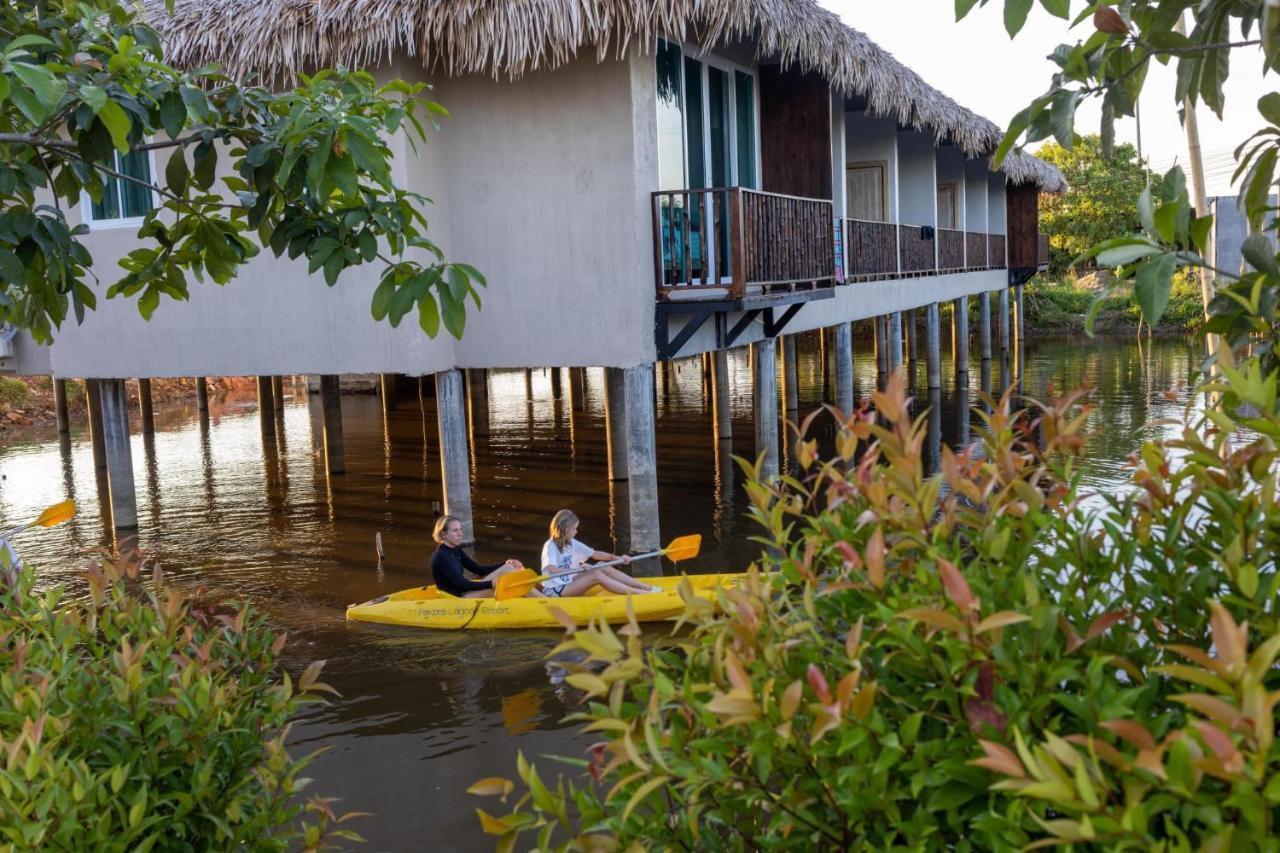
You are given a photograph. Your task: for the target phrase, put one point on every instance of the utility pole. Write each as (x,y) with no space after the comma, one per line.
(1192,126)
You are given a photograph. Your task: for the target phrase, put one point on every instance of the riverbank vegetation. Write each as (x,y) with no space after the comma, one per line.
(1061,305)
(142,719)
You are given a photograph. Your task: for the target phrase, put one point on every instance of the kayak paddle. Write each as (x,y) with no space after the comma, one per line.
(55,514)
(516,584)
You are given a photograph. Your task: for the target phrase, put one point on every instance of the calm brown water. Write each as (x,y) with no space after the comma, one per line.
(422,714)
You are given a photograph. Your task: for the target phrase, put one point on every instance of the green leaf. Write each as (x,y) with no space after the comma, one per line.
(11,271)
(117,123)
(176,174)
(455,314)
(94,96)
(429,315)
(1125,253)
(173,114)
(196,101)
(963,7)
(1057,8)
(206,165)
(1146,211)
(1015,15)
(382,298)
(1260,254)
(148,302)
(951,795)
(1200,230)
(42,83)
(1269,106)
(1152,286)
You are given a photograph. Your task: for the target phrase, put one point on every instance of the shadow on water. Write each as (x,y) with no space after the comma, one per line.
(243,507)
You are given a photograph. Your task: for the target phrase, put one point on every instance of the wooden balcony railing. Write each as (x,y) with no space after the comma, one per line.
(733,238)
(975,250)
(996,257)
(916,244)
(1042,251)
(870,248)
(950,249)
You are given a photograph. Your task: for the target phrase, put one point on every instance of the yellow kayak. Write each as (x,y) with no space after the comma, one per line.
(424,607)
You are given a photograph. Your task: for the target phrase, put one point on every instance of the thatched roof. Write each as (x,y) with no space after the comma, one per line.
(512,37)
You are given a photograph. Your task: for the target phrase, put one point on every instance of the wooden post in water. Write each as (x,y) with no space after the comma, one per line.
(1022,316)
(331,405)
(1004,321)
(720,394)
(933,346)
(115,431)
(578,388)
(202,395)
(960,338)
(478,402)
(895,341)
(144,406)
(60,406)
(615,421)
(454,466)
(984,324)
(277,396)
(266,404)
(790,376)
(642,462)
(843,340)
(766,405)
(387,387)
(557,389)
(93,400)
(913,353)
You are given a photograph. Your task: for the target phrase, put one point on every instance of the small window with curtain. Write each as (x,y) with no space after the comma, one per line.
(124,202)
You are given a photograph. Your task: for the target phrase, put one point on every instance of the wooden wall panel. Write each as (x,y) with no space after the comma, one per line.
(1024,225)
(795,133)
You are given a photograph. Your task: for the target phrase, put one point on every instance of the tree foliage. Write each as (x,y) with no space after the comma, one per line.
(140,719)
(305,172)
(1102,200)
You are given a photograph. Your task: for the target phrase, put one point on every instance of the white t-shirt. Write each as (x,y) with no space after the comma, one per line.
(556,560)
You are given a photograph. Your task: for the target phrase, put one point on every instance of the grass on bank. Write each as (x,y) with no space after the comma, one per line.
(1060,304)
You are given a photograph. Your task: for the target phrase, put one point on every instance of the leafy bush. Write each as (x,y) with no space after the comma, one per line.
(987,658)
(1062,304)
(140,720)
(13,392)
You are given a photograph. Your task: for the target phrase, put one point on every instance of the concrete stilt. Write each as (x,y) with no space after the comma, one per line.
(266,400)
(528,383)
(913,352)
(93,400)
(387,387)
(878,328)
(933,346)
(984,324)
(557,389)
(478,402)
(766,405)
(642,462)
(960,338)
(962,416)
(1004,320)
(933,437)
(331,404)
(145,408)
(895,340)
(578,388)
(825,350)
(202,395)
(454,466)
(790,376)
(277,395)
(1021,327)
(843,345)
(115,429)
(60,406)
(720,394)
(615,421)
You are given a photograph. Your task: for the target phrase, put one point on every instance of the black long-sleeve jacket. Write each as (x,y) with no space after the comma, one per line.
(447,566)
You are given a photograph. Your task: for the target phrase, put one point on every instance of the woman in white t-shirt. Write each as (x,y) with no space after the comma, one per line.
(564,553)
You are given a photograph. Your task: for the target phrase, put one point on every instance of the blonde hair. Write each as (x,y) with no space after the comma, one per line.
(442,524)
(560,524)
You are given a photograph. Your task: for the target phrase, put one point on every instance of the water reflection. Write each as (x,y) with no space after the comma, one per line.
(236,507)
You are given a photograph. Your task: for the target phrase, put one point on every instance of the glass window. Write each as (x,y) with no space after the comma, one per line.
(718,125)
(744,90)
(123,199)
(693,97)
(670,119)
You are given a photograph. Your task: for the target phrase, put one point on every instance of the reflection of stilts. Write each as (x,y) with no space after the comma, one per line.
(723,517)
(933,439)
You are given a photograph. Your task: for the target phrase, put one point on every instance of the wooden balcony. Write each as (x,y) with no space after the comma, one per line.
(732,242)
(997,259)
(1042,251)
(950,250)
(975,247)
(919,255)
(870,249)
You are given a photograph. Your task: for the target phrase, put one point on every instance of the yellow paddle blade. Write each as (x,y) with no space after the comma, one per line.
(515,584)
(683,547)
(55,514)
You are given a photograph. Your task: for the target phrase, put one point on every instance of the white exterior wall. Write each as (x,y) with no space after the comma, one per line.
(975,195)
(917,179)
(838,155)
(869,140)
(542,184)
(997,212)
(950,170)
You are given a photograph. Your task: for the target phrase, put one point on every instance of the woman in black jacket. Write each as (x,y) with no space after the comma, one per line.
(449,564)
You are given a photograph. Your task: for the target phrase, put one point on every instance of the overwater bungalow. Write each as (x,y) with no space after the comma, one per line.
(638,181)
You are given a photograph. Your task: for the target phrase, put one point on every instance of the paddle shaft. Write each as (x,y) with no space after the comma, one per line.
(541,578)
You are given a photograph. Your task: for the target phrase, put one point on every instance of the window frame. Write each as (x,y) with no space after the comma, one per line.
(119,222)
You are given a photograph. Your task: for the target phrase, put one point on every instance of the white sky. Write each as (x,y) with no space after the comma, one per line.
(976,63)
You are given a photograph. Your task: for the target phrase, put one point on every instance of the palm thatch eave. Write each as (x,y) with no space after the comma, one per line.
(275,38)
